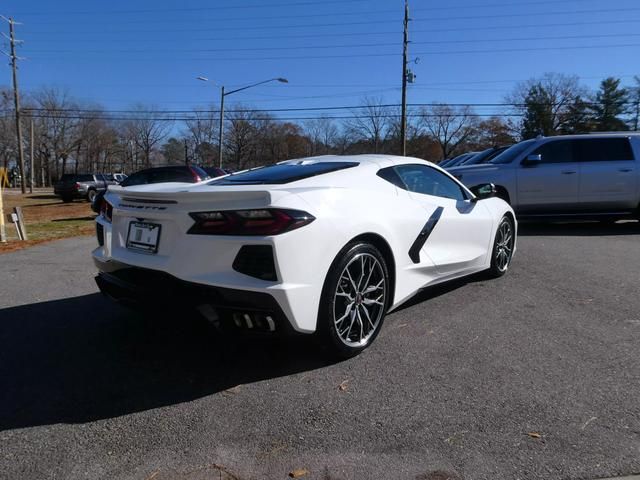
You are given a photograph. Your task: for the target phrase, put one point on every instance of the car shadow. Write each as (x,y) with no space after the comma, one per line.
(45,196)
(84,358)
(74,219)
(440,289)
(578,229)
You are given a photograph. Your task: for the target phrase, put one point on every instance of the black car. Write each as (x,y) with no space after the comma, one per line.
(178,173)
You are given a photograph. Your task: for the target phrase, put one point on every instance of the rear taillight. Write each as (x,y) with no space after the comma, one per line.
(106,210)
(268,221)
(195,175)
(77,186)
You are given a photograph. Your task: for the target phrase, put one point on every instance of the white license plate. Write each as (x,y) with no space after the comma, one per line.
(143,237)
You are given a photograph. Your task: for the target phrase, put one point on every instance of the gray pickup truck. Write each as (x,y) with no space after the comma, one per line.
(590,176)
(84,185)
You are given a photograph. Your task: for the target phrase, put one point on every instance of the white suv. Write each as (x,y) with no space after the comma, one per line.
(593,175)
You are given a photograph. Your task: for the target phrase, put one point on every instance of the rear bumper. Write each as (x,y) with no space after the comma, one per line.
(226,308)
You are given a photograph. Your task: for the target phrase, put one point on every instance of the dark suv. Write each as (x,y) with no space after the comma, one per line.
(83,185)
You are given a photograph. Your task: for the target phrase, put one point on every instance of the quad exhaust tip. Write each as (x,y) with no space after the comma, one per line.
(254,321)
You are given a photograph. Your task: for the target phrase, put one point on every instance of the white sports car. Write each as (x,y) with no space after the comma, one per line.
(325,244)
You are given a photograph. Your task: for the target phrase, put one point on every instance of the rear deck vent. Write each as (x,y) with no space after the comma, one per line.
(256,261)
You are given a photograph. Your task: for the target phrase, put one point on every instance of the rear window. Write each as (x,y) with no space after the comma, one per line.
(283,173)
(70,177)
(603,150)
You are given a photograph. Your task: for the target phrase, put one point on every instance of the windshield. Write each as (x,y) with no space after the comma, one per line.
(511,153)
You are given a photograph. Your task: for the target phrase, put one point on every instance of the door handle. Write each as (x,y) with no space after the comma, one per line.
(626,170)
(567,172)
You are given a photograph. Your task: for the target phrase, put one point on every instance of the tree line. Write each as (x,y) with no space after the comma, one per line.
(72,137)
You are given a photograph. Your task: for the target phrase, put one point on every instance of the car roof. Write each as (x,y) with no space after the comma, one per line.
(583,136)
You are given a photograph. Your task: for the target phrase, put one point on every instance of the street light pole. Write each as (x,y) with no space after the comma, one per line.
(224,94)
(221,127)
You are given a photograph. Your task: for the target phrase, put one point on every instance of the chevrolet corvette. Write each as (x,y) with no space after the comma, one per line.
(322,245)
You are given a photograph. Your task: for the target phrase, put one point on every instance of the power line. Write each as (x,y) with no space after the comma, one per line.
(198,9)
(257,6)
(283,119)
(377,22)
(380,55)
(332,34)
(357,45)
(295,109)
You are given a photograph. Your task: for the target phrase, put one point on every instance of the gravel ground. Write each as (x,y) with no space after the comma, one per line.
(532,376)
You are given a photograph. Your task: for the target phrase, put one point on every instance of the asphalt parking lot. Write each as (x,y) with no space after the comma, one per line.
(532,376)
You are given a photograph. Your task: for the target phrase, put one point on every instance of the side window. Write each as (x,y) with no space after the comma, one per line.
(556,151)
(603,150)
(389,174)
(428,181)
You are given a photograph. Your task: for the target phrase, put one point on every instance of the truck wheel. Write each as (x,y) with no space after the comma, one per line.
(91,195)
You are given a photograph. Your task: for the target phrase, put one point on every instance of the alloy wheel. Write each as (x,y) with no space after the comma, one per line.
(504,245)
(360,300)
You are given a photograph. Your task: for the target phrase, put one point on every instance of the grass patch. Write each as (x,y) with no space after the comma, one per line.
(47,218)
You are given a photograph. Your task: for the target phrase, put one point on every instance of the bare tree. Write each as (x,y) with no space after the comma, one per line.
(240,144)
(202,133)
(322,133)
(370,123)
(450,127)
(147,130)
(59,126)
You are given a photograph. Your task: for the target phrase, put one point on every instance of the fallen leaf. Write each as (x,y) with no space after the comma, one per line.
(534,435)
(299,472)
(343,386)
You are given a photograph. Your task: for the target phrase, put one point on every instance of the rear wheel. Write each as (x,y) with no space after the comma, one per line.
(354,299)
(502,247)
(91,195)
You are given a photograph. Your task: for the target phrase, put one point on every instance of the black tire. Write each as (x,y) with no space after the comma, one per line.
(501,247)
(361,302)
(67,199)
(91,195)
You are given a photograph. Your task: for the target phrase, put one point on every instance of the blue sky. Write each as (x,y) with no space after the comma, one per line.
(333,53)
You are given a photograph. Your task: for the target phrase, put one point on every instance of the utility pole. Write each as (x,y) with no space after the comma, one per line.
(221,127)
(32,163)
(186,153)
(405,48)
(16,100)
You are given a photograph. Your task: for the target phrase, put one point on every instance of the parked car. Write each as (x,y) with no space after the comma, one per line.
(593,175)
(119,177)
(326,244)
(84,185)
(214,172)
(459,159)
(177,173)
(482,157)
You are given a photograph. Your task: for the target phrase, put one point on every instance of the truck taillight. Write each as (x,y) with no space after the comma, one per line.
(268,221)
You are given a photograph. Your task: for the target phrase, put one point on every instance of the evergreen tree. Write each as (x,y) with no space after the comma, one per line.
(538,114)
(610,103)
(635,105)
(578,118)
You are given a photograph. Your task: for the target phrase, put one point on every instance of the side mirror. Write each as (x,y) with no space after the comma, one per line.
(484,190)
(532,160)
